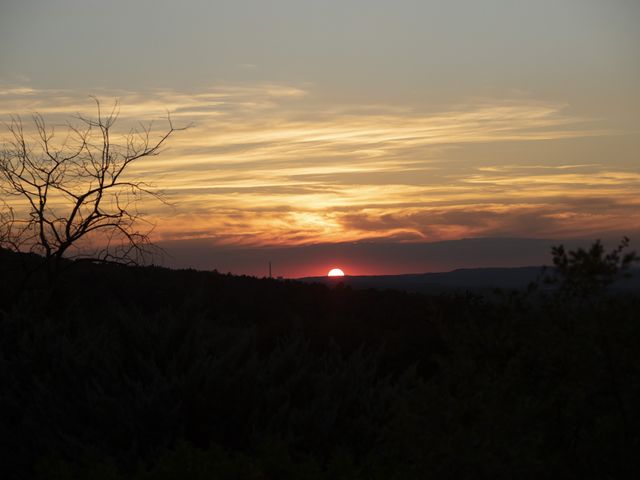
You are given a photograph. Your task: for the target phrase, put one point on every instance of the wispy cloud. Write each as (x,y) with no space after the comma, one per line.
(271,164)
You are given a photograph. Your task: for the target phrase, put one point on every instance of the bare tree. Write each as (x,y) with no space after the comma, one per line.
(72,198)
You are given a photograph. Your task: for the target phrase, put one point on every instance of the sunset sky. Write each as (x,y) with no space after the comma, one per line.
(317,124)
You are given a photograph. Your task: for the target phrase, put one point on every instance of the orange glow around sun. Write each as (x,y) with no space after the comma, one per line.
(335,272)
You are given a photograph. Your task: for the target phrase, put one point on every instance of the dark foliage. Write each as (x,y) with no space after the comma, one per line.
(585,272)
(148,373)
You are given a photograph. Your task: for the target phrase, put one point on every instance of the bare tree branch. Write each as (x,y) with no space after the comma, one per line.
(70,199)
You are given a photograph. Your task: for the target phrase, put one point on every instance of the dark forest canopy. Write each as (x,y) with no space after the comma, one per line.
(148,373)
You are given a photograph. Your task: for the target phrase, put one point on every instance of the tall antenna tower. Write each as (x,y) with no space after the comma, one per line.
(269,269)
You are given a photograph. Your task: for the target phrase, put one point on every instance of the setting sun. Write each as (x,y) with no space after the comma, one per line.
(472,164)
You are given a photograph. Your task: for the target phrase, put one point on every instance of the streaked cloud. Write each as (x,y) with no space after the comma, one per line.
(268,164)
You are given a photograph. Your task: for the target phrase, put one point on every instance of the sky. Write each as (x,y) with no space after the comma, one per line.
(319,125)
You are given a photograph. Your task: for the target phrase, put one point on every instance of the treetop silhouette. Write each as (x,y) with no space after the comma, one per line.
(73,198)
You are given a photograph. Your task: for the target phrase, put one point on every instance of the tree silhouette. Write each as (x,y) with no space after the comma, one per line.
(73,198)
(586,272)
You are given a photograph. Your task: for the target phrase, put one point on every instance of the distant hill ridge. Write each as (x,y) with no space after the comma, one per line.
(473,279)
